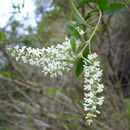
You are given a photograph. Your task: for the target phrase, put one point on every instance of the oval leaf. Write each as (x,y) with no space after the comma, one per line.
(102,4)
(79,67)
(73,44)
(115,7)
(80,62)
(76,13)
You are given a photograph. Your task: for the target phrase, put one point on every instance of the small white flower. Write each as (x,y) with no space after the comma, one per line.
(81,32)
(100,102)
(87,87)
(66,38)
(16,47)
(96,63)
(92,68)
(100,88)
(77,28)
(86,108)
(91,81)
(91,94)
(94,107)
(95,76)
(87,74)
(89,101)
(94,55)
(90,57)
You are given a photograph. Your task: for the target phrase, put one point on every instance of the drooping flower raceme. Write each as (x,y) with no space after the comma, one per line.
(92,87)
(53,58)
(50,58)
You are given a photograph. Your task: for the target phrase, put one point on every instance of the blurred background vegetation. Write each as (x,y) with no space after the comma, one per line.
(31,101)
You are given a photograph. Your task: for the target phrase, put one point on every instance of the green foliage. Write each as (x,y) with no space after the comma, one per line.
(73,43)
(81,3)
(76,13)
(71,30)
(80,62)
(5,73)
(102,4)
(128,108)
(89,14)
(115,7)
(79,67)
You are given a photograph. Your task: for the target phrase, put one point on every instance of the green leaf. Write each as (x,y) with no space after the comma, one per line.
(115,7)
(102,4)
(81,3)
(69,28)
(76,13)
(72,31)
(80,62)
(86,52)
(73,44)
(79,67)
(76,34)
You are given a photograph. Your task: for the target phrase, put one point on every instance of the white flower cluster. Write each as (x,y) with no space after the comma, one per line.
(92,78)
(50,58)
(53,60)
